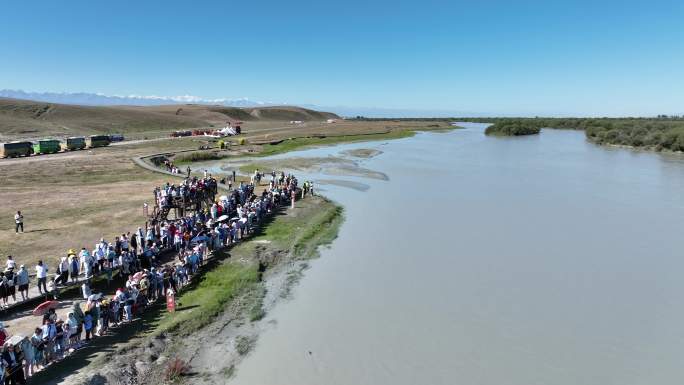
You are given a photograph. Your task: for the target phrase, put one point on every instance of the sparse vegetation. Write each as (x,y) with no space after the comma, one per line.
(175,369)
(293,277)
(322,232)
(201,302)
(299,143)
(197,156)
(256,311)
(228,372)
(244,344)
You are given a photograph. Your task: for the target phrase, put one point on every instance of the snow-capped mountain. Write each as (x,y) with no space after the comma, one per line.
(96,99)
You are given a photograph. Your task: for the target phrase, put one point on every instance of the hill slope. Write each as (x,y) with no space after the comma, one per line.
(31,120)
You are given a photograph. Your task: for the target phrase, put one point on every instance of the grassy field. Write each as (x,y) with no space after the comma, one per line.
(197,156)
(71,200)
(282,140)
(300,143)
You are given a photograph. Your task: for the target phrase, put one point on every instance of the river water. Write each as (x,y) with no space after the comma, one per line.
(534,260)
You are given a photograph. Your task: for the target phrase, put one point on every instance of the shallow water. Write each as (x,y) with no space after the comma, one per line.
(534,260)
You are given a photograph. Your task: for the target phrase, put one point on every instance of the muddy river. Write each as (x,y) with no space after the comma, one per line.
(477,260)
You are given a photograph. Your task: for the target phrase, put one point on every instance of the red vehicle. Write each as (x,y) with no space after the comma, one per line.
(201,132)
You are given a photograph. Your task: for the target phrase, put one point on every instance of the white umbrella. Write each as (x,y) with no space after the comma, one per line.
(15,340)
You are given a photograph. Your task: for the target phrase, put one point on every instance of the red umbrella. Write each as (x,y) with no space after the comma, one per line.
(44,307)
(137,276)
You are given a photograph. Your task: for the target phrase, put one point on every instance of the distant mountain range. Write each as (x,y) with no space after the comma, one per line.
(90,99)
(96,99)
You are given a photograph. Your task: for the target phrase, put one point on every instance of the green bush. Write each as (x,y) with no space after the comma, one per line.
(513,128)
(196,156)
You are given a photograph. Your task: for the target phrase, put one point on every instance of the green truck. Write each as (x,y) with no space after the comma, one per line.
(99,141)
(14,149)
(47,146)
(75,143)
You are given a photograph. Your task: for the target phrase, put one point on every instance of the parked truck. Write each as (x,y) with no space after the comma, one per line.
(47,146)
(75,143)
(98,141)
(15,149)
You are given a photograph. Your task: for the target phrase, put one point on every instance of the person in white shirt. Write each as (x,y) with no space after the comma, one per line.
(23,282)
(85,288)
(11,263)
(100,255)
(18,222)
(124,242)
(41,274)
(88,263)
(63,270)
(163,234)
(82,257)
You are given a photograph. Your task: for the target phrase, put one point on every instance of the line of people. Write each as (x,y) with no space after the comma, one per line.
(193,237)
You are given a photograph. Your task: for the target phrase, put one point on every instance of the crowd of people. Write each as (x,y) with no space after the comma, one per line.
(186,192)
(172,168)
(137,257)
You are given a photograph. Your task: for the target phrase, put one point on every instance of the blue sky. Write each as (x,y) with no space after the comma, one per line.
(490,57)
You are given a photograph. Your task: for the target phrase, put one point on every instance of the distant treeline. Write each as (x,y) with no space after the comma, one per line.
(658,133)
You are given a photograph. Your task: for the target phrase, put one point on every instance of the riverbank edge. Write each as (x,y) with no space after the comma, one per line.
(301,143)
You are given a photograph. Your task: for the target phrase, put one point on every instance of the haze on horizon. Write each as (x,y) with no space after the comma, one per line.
(581,58)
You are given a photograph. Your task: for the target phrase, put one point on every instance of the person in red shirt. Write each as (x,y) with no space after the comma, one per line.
(3,334)
(172,230)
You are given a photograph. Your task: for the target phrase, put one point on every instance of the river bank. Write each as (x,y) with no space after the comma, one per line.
(219,311)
